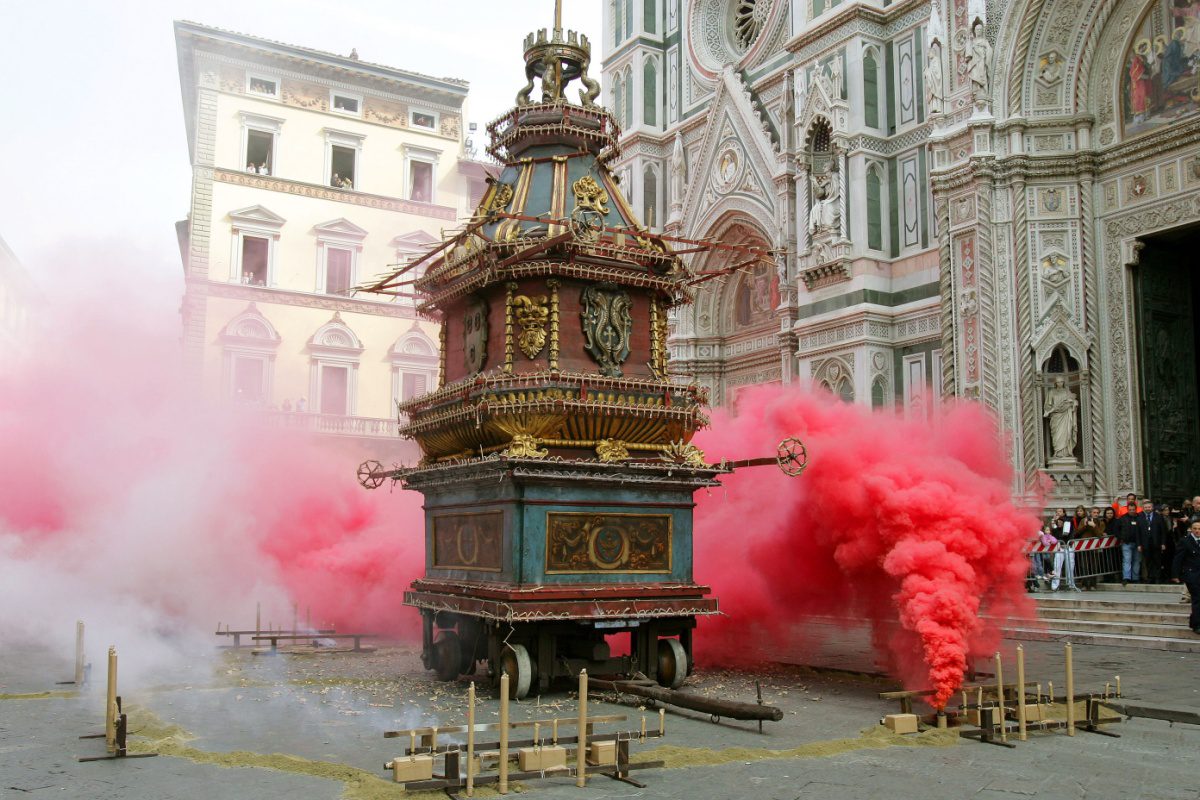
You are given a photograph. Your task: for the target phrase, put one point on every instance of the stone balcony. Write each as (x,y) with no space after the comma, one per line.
(334,424)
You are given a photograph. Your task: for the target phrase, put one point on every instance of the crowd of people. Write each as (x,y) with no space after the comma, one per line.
(1158,543)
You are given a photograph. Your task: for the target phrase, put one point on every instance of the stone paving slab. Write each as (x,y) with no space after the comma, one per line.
(333,709)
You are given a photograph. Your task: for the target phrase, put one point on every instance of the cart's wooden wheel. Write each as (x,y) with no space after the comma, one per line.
(672,663)
(519,666)
(447,655)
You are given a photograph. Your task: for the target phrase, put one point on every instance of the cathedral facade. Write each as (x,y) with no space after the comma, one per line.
(991,200)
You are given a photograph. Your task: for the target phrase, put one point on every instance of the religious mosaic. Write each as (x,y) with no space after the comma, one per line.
(1161,80)
(469,541)
(582,542)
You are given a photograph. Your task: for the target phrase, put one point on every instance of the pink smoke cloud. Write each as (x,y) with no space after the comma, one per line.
(905,523)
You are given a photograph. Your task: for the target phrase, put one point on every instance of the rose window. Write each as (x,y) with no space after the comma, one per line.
(749,16)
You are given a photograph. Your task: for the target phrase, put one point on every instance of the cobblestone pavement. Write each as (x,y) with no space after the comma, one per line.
(324,716)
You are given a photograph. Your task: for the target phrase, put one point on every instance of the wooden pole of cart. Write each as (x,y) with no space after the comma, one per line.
(79,653)
(581,751)
(503,782)
(1021,693)
(471,740)
(110,708)
(1070,693)
(1000,697)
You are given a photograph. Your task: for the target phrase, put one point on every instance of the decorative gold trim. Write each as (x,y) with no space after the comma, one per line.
(525,446)
(611,450)
(553,285)
(670,551)
(684,453)
(658,340)
(531,315)
(442,355)
(590,196)
(509,288)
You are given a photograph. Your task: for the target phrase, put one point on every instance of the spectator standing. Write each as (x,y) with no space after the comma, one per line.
(1109,524)
(1064,559)
(1130,505)
(1130,533)
(1186,570)
(1152,541)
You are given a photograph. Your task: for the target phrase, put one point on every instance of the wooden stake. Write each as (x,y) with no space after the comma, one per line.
(662,722)
(258,618)
(471,740)
(643,739)
(1021,734)
(503,787)
(1118,687)
(554,730)
(110,710)
(581,750)
(1070,692)
(1000,697)
(537,735)
(79,653)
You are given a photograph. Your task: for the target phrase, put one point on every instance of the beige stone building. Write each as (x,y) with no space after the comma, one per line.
(311,173)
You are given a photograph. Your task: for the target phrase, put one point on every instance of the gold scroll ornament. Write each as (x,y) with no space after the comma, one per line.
(587,542)
(524,445)
(611,450)
(532,314)
(590,196)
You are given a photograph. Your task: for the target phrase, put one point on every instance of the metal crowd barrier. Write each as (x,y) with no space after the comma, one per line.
(1096,557)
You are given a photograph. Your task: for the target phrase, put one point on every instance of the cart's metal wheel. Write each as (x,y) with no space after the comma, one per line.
(519,666)
(447,655)
(672,663)
(371,474)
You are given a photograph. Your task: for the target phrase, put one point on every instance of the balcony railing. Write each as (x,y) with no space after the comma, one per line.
(336,424)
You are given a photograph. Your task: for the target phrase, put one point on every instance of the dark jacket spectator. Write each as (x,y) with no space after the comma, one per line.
(1187,570)
(1130,528)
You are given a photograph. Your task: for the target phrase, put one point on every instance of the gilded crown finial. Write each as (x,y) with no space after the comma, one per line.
(556,57)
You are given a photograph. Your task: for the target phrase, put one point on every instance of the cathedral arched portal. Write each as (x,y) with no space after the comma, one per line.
(1081,228)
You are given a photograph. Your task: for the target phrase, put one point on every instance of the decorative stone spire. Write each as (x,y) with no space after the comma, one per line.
(936,31)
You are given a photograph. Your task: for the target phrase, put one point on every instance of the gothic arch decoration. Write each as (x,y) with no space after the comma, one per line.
(820,100)
(736,159)
(836,375)
(747,299)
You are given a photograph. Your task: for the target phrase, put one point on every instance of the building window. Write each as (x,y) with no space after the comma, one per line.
(345,103)
(420,167)
(423,119)
(256,260)
(249,379)
(343,163)
(420,181)
(334,389)
(249,342)
(618,23)
(255,233)
(341,159)
(339,244)
(870,89)
(618,103)
(650,197)
(650,15)
(262,85)
(339,264)
(627,112)
(260,151)
(336,351)
(414,365)
(628,18)
(649,93)
(878,393)
(874,208)
(259,136)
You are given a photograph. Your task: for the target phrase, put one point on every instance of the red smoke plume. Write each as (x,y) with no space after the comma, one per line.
(124,494)
(894,521)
